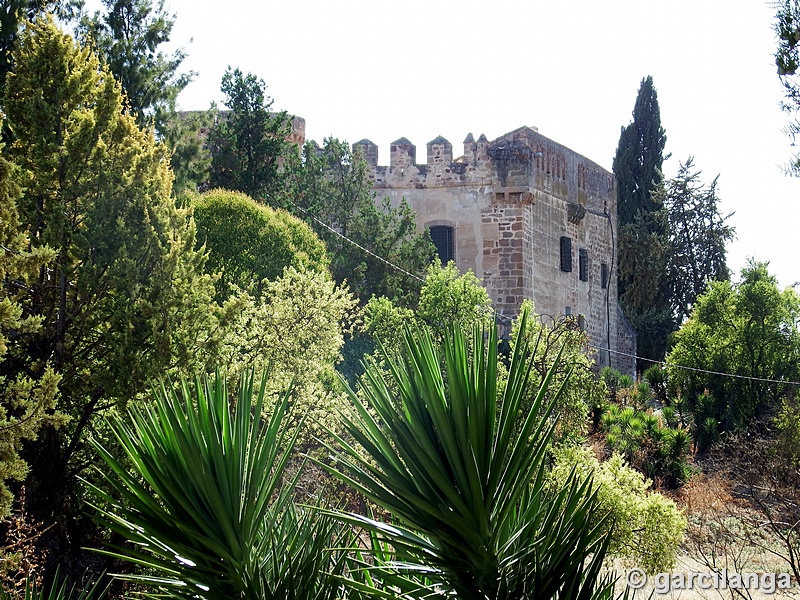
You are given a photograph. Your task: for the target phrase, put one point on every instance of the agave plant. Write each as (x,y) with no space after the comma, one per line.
(206,507)
(464,485)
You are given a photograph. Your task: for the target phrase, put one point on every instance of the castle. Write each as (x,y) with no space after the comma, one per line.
(532,218)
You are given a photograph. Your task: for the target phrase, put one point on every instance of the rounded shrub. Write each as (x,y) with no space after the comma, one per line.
(249,242)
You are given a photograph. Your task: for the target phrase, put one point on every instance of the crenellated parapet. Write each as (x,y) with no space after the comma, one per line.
(522,159)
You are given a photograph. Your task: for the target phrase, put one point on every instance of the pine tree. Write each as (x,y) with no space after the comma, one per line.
(697,233)
(247,141)
(127,37)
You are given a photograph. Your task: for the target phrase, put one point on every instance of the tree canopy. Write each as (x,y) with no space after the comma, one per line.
(26,402)
(697,237)
(787,57)
(248,242)
(125,295)
(671,235)
(13,13)
(330,187)
(642,234)
(640,154)
(750,328)
(127,36)
(247,141)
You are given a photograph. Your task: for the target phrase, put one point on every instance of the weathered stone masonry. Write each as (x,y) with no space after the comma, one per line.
(532,218)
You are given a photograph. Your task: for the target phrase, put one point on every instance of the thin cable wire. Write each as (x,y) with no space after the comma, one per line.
(504,319)
(356,244)
(673,365)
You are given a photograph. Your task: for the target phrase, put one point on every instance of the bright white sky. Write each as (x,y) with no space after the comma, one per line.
(382,70)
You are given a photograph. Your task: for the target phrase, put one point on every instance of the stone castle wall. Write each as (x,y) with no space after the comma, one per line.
(510,202)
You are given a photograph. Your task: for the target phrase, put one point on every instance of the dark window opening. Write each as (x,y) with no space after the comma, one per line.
(603,275)
(566,254)
(583,264)
(443,238)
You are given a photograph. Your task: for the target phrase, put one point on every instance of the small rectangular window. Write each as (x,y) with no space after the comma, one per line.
(583,264)
(566,254)
(568,311)
(442,237)
(603,275)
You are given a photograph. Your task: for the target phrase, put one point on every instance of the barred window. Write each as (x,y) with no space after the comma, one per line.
(583,264)
(566,254)
(443,238)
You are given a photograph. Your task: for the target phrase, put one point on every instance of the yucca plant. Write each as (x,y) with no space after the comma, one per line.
(464,485)
(206,506)
(57,591)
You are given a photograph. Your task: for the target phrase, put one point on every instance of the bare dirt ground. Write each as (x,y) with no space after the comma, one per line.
(724,533)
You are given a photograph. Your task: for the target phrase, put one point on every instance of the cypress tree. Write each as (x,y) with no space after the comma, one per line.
(643,236)
(639,157)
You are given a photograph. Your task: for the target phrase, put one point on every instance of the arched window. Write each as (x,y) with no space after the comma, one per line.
(443,238)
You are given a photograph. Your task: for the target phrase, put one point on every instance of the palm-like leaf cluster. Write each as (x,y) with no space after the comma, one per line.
(209,514)
(56,591)
(207,510)
(464,481)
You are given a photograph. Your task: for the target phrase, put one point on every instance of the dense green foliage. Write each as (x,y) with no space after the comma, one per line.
(248,242)
(640,154)
(787,57)
(191,160)
(466,486)
(671,234)
(698,234)
(447,296)
(247,141)
(127,37)
(107,281)
(562,347)
(125,295)
(656,445)
(26,402)
(13,13)
(647,527)
(209,510)
(297,328)
(750,328)
(331,188)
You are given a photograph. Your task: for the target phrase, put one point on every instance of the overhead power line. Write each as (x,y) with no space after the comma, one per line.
(356,244)
(686,368)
